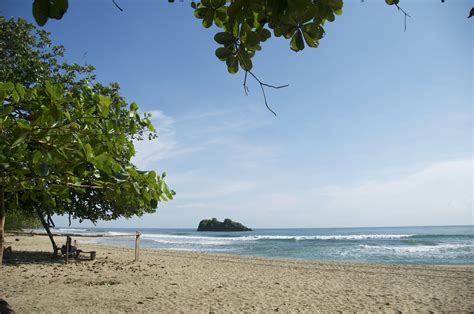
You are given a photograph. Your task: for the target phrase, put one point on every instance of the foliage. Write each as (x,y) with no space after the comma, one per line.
(246,24)
(18,220)
(66,142)
(58,146)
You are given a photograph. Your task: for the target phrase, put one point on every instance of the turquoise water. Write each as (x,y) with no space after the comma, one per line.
(449,245)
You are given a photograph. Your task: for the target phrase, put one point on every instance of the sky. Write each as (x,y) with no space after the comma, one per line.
(374,129)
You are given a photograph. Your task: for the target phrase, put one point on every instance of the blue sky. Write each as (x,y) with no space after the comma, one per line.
(375,128)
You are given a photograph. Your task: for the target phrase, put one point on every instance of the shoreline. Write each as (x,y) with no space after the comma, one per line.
(171,280)
(271,258)
(282,259)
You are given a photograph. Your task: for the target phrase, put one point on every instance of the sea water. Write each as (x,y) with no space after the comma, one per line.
(441,245)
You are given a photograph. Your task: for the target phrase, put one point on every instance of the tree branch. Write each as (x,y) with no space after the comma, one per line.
(262,85)
(405,15)
(118,7)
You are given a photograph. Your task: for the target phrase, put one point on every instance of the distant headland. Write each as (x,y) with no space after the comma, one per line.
(215,225)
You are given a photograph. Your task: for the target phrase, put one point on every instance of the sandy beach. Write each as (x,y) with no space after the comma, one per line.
(172,281)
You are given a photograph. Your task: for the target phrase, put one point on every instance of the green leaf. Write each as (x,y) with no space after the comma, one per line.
(232,64)
(392,2)
(244,58)
(224,38)
(264,34)
(20,90)
(58,8)
(222,53)
(151,177)
(133,106)
(201,12)
(88,152)
(6,87)
(41,11)
(251,39)
(234,8)
(206,3)
(23,124)
(19,140)
(6,111)
(311,42)
(136,187)
(308,14)
(37,156)
(53,90)
(104,105)
(57,188)
(217,3)
(105,100)
(121,176)
(208,18)
(15,96)
(314,30)
(165,189)
(297,43)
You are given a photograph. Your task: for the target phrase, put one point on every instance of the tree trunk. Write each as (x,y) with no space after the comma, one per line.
(2,222)
(46,227)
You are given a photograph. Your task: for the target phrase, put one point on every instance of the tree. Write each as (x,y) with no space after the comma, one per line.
(245,25)
(66,141)
(18,220)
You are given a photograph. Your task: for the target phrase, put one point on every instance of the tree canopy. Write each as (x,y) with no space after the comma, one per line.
(67,141)
(245,24)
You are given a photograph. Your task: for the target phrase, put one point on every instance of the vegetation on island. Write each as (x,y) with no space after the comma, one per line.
(66,140)
(215,225)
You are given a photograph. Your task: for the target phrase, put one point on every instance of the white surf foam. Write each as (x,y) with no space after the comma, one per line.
(171,239)
(433,250)
(71,230)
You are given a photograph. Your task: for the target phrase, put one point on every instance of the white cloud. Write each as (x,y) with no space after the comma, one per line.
(166,146)
(159,118)
(196,132)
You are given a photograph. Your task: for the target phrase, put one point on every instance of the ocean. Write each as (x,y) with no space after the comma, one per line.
(440,245)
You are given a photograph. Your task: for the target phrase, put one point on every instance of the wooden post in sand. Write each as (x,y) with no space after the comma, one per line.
(67,249)
(137,246)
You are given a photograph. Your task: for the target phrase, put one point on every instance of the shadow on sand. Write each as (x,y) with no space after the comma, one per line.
(16,258)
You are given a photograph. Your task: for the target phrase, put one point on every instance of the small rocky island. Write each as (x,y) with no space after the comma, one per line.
(215,225)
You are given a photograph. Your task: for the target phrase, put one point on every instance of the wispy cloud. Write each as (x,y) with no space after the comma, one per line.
(197,132)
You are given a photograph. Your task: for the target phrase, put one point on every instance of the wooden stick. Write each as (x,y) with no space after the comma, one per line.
(67,249)
(137,246)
